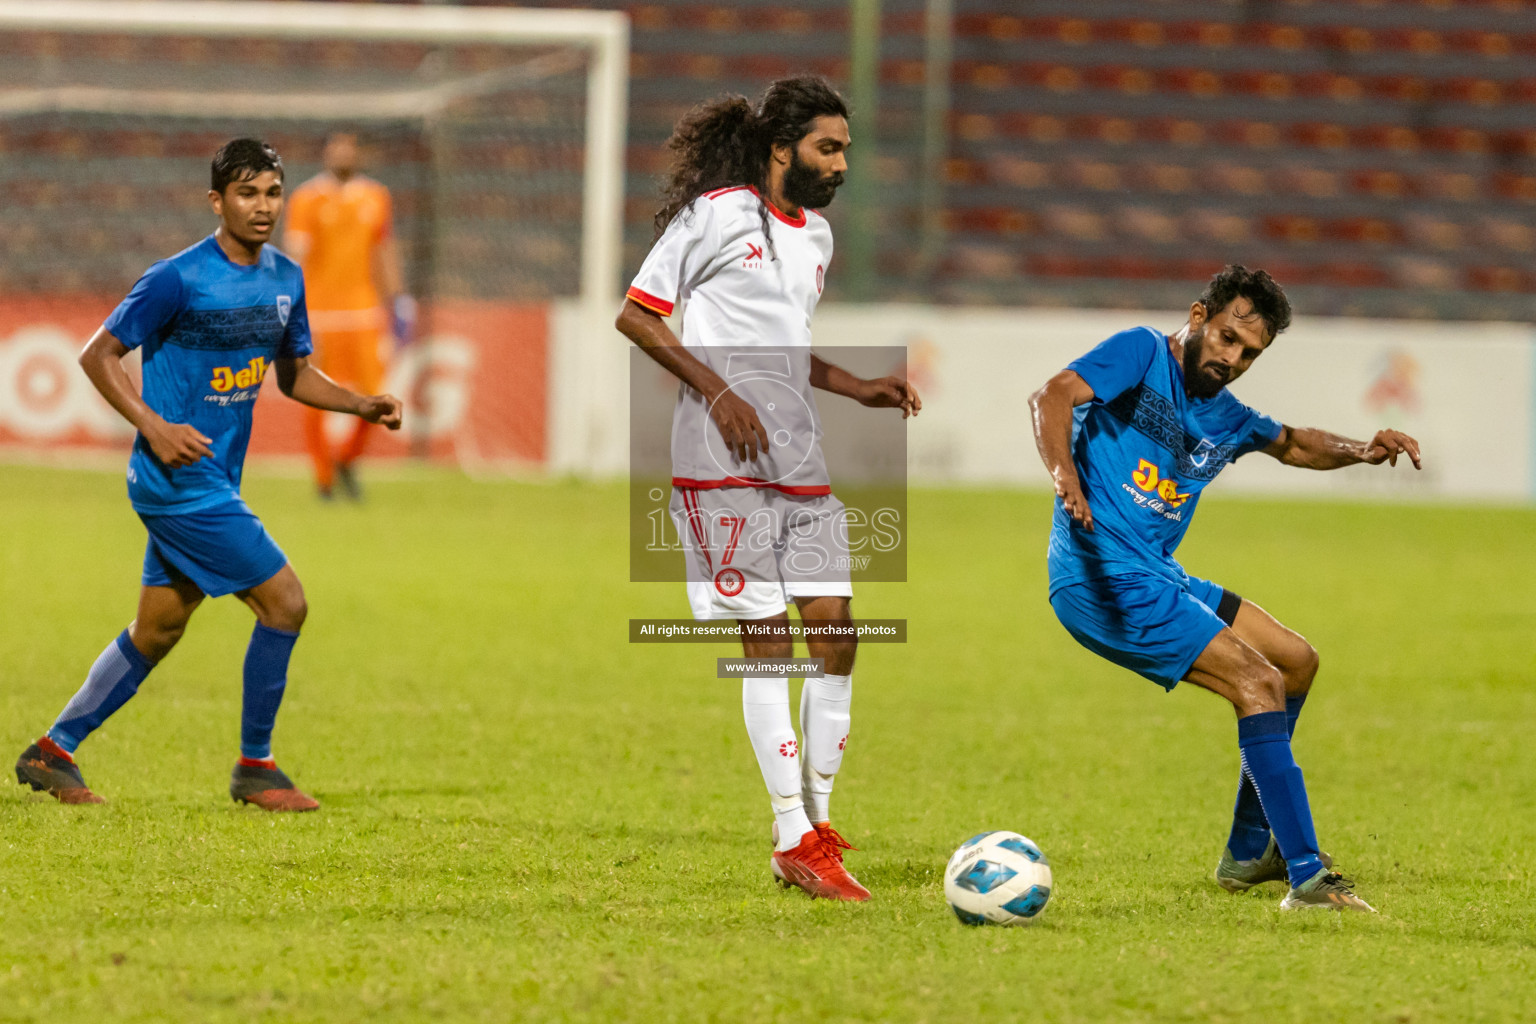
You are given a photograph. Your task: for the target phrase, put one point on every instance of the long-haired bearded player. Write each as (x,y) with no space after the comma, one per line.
(739,242)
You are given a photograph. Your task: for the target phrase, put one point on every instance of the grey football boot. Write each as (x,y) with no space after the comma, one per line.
(1236,875)
(1326,890)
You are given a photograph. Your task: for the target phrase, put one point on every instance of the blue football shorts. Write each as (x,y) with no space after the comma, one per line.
(1145,622)
(222,550)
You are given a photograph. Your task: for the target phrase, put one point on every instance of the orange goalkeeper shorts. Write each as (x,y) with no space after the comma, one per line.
(352,358)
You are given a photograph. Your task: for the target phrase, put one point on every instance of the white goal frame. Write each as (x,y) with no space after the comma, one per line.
(604,33)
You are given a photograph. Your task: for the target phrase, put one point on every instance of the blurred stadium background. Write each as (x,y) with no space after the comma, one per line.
(1378,156)
(527,817)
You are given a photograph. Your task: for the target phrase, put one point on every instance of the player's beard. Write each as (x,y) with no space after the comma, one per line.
(804,185)
(1198,380)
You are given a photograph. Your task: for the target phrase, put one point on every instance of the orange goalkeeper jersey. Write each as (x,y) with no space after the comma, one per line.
(338,226)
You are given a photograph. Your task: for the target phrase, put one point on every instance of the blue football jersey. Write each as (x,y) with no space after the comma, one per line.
(1144,451)
(209,330)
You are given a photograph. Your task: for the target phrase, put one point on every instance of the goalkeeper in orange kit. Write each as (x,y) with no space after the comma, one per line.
(340,230)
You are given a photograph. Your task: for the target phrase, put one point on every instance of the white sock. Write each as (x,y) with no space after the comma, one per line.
(824,719)
(765,706)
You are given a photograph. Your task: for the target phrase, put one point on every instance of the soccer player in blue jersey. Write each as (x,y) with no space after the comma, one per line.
(209,323)
(1131,433)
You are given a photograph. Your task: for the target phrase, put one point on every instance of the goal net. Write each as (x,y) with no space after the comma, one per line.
(499,133)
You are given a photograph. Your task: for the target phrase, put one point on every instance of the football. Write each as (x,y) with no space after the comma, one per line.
(998,878)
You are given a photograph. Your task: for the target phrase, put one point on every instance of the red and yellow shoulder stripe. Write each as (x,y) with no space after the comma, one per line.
(661,307)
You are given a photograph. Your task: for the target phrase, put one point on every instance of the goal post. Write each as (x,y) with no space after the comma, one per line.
(606,33)
(512,123)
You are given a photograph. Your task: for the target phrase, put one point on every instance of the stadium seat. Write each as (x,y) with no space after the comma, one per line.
(1508,233)
(1499,279)
(1299,132)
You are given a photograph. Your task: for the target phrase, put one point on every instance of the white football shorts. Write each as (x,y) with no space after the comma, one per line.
(751,550)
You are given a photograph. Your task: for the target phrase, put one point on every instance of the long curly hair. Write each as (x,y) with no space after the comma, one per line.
(727,141)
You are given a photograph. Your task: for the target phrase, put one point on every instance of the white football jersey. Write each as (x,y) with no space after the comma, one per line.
(747,315)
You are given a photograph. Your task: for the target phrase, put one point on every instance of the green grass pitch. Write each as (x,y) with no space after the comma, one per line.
(527,818)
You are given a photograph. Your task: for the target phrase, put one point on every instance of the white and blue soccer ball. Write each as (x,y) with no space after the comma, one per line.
(998,878)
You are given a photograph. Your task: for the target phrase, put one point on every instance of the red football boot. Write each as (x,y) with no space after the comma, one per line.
(834,842)
(47,768)
(811,867)
(263,784)
(832,839)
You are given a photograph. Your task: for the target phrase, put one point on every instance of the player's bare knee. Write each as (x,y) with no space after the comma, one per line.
(155,640)
(766,638)
(837,656)
(1265,688)
(290,613)
(285,610)
(289,609)
(1300,673)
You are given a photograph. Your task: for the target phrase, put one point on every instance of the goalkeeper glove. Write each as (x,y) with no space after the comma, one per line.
(403,319)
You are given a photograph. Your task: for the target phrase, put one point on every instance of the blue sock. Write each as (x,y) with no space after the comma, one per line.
(1250,829)
(1266,752)
(1293,712)
(114,678)
(266,676)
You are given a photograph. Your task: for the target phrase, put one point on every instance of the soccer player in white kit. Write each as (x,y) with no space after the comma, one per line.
(743,249)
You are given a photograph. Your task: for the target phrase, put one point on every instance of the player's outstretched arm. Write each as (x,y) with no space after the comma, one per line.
(304,383)
(174,444)
(734,416)
(1309,448)
(1051,412)
(877,392)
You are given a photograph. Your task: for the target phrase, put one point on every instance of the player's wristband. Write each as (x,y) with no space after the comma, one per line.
(403,319)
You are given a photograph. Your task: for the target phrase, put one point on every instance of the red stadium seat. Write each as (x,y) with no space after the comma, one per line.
(1498,279)
(1424,273)
(1095,175)
(1017,172)
(1508,233)
(1167,178)
(1291,228)
(986,262)
(1518,187)
(1366,230)
(1148,224)
(1492,45)
(1079,223)
(1311,182)
(1218,226)
(992,220)
(1458,186)
(1382,184)
(1395,137)
(1351,275)
(1349,38)
(1319,135)
(1430,232)
(960,171)
(1239,179)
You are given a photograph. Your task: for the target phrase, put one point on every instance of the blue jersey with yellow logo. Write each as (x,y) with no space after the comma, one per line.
(209,330)
(1144,451)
